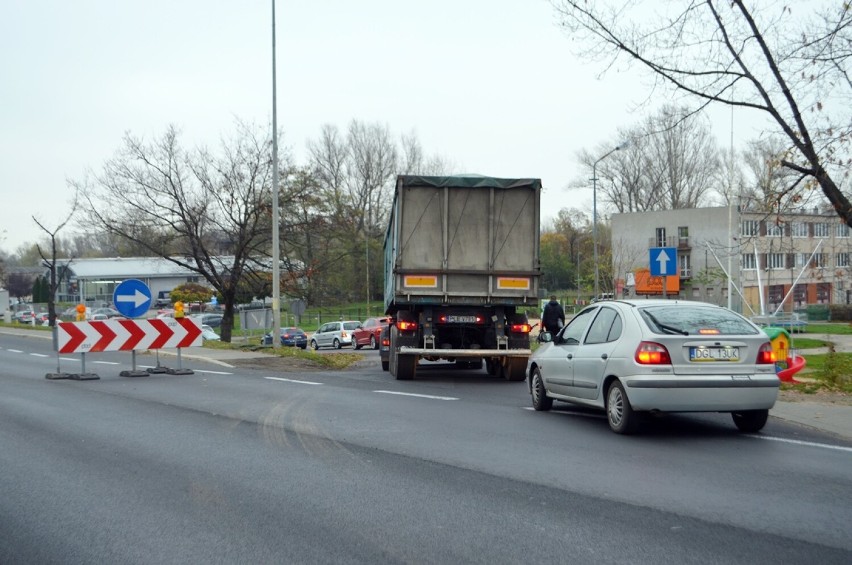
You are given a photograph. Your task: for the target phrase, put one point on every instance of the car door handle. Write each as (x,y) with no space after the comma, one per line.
(569,356)
(604,356)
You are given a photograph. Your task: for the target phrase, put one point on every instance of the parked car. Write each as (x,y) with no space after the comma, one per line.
(290,337)
(24,316)
(633,356)
(384,346)
(108,312)
(334,334)
(369,333)
(212,320)
(207,333)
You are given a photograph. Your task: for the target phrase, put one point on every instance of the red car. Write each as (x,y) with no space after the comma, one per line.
(369,332)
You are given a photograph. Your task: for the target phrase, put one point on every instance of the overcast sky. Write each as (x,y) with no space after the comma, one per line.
(491,85)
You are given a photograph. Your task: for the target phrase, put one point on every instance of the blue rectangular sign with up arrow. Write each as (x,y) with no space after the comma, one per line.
(663,261)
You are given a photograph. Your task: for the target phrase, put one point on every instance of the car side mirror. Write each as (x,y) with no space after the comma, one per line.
(545,337)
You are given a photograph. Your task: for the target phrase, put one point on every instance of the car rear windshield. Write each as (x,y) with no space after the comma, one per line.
(695,320)
(351,325)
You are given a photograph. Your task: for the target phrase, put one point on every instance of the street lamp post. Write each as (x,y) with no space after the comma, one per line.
(595,213)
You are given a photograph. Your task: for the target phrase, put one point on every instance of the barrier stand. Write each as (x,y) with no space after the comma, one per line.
(159,368)
(180,370)
(83,375)
(58,374)
(134,372)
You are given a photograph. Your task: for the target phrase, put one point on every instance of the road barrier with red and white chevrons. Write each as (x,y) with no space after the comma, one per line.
(128,335)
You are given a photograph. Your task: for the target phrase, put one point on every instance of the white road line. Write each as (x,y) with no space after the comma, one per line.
(15,350)
(106,363)
(39,355)
(68,359)
(214,372)
(806,443)
(416,395)
(292,381)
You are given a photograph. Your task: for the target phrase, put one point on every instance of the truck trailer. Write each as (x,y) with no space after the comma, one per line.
(461,258)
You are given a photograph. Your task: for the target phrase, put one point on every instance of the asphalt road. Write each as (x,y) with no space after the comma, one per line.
(264,466)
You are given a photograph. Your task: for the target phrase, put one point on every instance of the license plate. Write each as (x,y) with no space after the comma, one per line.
(461,319)
(698,354)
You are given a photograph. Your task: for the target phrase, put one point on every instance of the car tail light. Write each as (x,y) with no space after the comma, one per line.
(766,355)
(520,328)
(650,353)
(405,326)
(343,334)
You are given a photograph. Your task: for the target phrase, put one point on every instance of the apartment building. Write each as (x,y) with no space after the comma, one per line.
(776,262)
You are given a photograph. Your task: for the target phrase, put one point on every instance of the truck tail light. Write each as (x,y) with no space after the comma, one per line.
(766,355)
(650,353)
(405,326)
(520,328)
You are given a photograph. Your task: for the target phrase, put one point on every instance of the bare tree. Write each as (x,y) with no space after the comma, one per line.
(208,213)
(788,61)
(670,162)
(57,271)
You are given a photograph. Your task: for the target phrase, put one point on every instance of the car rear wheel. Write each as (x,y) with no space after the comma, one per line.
(373,343)
(355,344)
(619,413)
(314,344)
(540,400)
(750,421)
(336,343)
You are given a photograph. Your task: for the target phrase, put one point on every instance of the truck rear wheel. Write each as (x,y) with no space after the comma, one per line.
(514,369)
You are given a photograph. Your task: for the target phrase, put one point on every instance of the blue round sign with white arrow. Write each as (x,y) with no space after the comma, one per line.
(132,298)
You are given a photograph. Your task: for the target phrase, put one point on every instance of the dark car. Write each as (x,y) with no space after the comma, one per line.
(290,337)
(369,333)
(212,320)
(108,312)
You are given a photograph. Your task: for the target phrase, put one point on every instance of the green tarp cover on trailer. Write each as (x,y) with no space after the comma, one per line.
(467,181)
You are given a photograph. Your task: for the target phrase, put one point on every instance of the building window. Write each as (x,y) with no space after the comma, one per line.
(750,227)
(823,291)
(774,230)
(841,230)
(748,262)
(683,236)
(776,261)
(800,229)
(799,292)
(821,230)
(776,294)
(801,258)
(684,264)
(661,237)
(841,259)
(820,260)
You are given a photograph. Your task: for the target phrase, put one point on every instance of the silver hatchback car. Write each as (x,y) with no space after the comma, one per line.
(334,334)
(629,356)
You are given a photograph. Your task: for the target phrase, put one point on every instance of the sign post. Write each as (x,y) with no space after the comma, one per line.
(663,263)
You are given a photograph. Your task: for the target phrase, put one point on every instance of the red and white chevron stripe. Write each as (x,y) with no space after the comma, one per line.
(127,335)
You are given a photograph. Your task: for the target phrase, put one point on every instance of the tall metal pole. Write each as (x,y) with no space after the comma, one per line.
(276,251)
(595,214)
(595,223)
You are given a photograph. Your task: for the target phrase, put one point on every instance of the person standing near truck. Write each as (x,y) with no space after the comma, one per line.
(553,317)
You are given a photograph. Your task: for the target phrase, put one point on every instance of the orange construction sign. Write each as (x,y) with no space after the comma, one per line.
(646,284)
